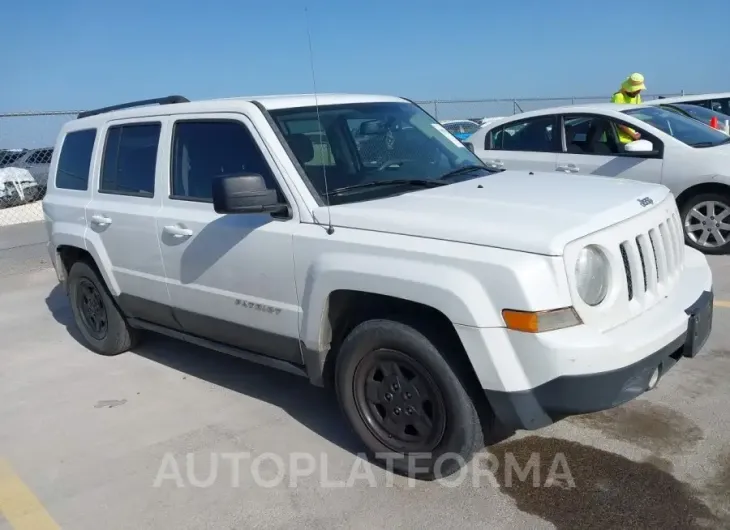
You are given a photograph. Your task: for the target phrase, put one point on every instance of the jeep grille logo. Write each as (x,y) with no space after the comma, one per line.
(645,201)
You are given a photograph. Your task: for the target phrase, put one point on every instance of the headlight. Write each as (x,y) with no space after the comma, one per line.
(592,275)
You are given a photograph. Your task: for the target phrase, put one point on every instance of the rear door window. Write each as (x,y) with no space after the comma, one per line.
(130,159)
(534,134)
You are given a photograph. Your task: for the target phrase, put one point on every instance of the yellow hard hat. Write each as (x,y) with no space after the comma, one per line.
(633,83)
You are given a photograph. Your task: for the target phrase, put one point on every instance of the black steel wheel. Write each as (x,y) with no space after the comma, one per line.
(399,402)
(405,400)
(97,316)
(92,310)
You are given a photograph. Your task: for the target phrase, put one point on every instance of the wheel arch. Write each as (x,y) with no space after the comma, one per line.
(346,308)
(68,254)
(699,189)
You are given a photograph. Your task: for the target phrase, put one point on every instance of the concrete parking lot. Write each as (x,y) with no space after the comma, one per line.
(149,439)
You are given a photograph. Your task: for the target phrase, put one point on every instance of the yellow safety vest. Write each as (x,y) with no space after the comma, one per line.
(620,97)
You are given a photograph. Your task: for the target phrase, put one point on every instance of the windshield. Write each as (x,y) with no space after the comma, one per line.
(685,129)
(363,143)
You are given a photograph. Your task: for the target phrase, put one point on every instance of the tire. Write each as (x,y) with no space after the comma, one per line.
(455,432)
(702,204)
(116,336)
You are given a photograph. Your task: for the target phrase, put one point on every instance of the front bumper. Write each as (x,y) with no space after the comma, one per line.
(579,394)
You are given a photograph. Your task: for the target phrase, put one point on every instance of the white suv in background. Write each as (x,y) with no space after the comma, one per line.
(434,295)
(689,157)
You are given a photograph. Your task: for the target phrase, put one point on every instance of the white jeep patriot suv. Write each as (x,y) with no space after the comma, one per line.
(352,240)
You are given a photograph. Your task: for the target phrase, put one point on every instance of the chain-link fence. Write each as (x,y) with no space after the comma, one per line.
(27,139)
(26,147)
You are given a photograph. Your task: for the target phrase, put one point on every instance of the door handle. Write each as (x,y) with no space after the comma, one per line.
(178,231)
(569,168)
(100,220)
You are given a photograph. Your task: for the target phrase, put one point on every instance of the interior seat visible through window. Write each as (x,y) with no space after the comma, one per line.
(303,148)
(599,137)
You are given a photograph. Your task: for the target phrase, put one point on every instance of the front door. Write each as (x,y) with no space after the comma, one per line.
(231,277)
(592,147)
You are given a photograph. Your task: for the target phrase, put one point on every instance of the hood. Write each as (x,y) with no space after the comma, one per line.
(537,212)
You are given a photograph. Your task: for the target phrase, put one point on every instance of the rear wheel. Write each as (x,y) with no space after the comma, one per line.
(706,222)
(101,323)
(405,401)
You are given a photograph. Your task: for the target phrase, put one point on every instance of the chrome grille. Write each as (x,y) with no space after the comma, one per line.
(654,258)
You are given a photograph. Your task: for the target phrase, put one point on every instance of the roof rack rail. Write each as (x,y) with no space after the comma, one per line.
(167,100)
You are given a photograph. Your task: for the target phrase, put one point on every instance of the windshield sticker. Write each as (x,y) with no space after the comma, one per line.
(448,135)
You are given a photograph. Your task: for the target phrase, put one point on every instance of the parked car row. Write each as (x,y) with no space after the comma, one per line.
(23,175)
(677,147)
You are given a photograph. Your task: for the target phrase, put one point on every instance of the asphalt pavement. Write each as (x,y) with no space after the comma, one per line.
(23,248)
(174,436)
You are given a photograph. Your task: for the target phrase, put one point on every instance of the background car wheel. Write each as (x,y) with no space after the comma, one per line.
(405,401)
(97,316)
(706,222)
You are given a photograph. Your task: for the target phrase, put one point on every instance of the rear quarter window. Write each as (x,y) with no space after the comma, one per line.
(74,162)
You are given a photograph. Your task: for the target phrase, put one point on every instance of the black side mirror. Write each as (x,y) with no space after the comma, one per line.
(469,146)
(244,193)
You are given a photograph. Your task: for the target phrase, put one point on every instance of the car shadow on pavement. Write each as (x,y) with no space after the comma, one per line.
(313,407)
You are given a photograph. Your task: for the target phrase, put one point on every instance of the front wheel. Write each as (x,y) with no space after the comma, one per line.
(706,222)
(405,402)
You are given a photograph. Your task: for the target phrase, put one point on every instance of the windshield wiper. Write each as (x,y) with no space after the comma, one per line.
(462,170)
(711,144)
(424,183)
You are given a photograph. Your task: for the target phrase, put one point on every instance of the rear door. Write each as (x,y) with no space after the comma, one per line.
(121,217)
(591,147)
(528,144)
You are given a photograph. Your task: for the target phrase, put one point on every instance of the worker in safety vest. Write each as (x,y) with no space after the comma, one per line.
(630,93)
